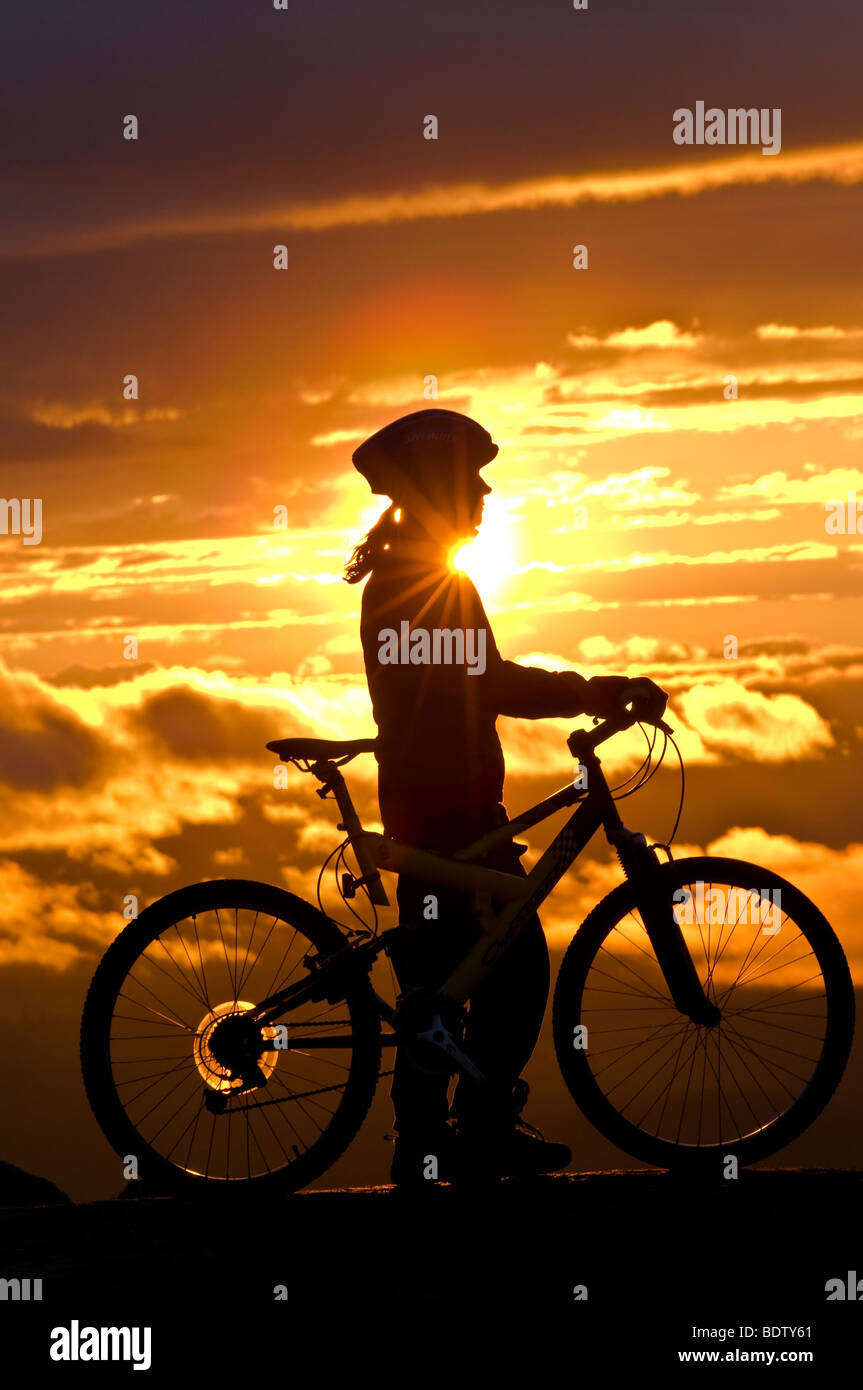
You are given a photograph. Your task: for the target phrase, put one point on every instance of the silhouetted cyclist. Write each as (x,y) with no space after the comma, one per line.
(440,782)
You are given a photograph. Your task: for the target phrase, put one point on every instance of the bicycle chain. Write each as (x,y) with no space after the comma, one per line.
(300,1095)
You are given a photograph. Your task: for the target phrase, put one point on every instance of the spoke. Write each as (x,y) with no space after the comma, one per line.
(777,1027)
(764,941)
(193,1075)
(225,950)
(158,1013)
(720,1094)
(738,1052)
(660,1071)
(686,1092)
(720,949)
(201,959)
(779,993)
(278,970)
(649,992)
(668,1087)
(259,956)
(162,1076)
(743,1043)
(181,978)
(627,1046)
(663,1062)
(242,970)
(200,981)
(748,980)
(141,1061)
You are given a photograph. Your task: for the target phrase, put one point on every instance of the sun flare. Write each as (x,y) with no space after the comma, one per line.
(489,559)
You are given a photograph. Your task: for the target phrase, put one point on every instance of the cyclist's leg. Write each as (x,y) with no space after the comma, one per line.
(506,1011)
(424,956)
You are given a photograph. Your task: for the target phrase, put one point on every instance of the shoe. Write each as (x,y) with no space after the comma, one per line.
(523,1152)
(423,1158)
(498,1143)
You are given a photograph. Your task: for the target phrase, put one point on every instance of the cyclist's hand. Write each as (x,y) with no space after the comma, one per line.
(610,695)
(647,699)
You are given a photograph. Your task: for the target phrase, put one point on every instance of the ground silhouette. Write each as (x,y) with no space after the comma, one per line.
(628,1261)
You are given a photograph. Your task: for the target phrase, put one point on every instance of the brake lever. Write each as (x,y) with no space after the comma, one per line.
(656,723)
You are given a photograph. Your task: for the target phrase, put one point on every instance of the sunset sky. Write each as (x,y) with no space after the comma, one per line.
(705,516)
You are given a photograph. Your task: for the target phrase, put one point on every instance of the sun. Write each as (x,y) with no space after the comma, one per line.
(489,559)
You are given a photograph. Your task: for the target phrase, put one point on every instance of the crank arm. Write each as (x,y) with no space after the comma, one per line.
(440,1037)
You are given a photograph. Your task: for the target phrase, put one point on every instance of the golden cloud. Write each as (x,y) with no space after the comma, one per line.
(841,164)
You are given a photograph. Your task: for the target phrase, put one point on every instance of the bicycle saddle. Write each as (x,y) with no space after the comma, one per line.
(314,749)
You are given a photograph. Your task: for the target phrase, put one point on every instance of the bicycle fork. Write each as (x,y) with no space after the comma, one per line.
(641,865)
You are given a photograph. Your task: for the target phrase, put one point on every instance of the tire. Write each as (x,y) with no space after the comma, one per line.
(174,949)
(784,1049)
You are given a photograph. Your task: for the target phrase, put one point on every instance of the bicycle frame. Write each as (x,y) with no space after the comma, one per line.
(521,896)
(595,807)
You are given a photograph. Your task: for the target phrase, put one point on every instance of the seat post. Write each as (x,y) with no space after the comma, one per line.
(333,781)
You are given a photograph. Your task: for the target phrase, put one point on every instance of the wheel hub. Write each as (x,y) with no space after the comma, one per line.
(230,1049)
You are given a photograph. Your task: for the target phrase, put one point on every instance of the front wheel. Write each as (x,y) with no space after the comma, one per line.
(180,1077)
(683,1095)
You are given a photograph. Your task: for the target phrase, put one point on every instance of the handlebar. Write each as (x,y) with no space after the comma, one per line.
(615,724)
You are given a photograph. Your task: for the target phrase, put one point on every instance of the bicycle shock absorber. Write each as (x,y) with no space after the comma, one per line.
(641,864)
(632,850)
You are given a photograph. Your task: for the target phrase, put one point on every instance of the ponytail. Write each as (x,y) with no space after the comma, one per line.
(368,551)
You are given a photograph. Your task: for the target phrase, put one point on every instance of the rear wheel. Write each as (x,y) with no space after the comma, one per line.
(181,1077)
(679,1094)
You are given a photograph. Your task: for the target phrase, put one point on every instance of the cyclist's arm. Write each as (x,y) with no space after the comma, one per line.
(530,692)
(526,692)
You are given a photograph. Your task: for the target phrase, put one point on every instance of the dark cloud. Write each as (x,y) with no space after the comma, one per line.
(93,677)
(194,726)
(42,745)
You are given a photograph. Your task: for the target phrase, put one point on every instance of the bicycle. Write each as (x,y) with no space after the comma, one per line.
(688,1025)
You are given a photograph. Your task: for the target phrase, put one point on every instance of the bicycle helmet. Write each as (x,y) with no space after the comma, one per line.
(416,446)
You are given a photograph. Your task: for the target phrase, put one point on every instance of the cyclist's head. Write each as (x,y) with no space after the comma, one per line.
(429,463)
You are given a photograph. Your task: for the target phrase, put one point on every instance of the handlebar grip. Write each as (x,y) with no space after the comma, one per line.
(635,714)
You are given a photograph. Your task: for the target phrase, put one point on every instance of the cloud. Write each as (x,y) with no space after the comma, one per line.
(736,722)
(323,441)
(828,333)
(807,550)
(42,744)
(816,488)
(86,677)
(62,416)
(660,334)
(641,489)
(141,785)
(175,784)
(193,725)
(829,876)
(47,926)
(842,164)
(634,419)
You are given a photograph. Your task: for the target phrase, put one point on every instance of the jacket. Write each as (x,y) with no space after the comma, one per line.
(437,684)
